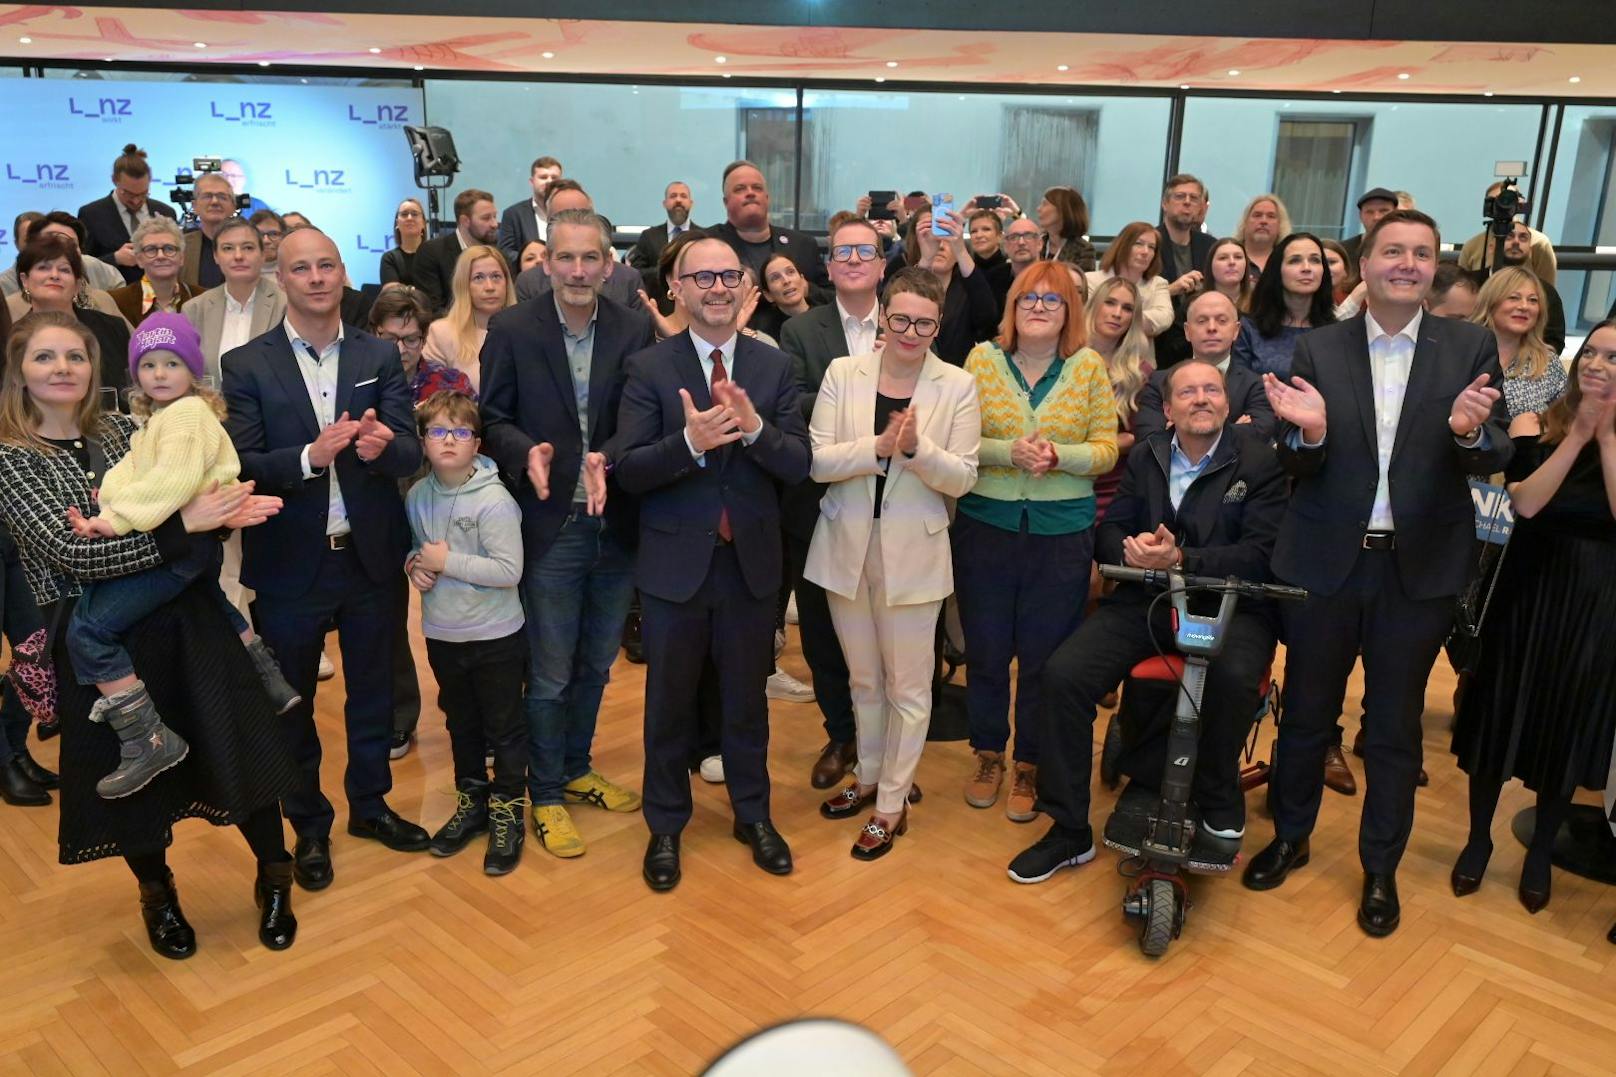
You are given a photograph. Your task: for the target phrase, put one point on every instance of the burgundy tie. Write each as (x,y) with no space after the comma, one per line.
(720,374)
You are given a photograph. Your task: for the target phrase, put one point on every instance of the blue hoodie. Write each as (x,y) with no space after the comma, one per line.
(476,596)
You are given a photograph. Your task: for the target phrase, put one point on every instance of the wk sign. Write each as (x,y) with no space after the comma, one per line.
(1495,518)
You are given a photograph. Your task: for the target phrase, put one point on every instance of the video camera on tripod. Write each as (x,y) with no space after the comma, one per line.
(183,193)
(1501,208)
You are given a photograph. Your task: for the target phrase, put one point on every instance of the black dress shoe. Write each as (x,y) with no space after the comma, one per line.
(277,927)
(311,863)
(1379,911)
(392,830)
(769,850)
(166,927)
(18,789)
(662,862)
(1534,898)
(1469,868)
(30,766)
(1269,868)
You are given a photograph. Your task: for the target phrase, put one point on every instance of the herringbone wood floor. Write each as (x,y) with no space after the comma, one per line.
(409,964)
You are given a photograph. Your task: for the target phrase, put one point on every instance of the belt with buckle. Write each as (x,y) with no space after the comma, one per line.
(338,542)
(1380,540)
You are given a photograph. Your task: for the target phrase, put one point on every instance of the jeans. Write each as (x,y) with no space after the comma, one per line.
(576,597)
(480,692)
(110,608)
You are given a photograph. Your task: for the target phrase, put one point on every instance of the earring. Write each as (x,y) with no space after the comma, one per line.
(26,298)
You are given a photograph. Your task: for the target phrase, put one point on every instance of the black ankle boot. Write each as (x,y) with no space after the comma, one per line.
(166,927)
(470,818)
(277,927)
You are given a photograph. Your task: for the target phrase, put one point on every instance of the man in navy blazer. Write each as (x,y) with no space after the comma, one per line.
(552,379)
(110,222)
(320,416)
(708,431)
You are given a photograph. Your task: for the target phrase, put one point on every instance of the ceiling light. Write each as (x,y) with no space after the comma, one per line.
(199,44)
(1183,86)
(420,67)
(1335,91)
(725,75)
(263,63)
(880,78)
(548,55)
(25,41)
(720,59)
(1574,78)
(1486,93)
(1063,67)
(106,59)
(1403,76)
(1234,72)
(375,51)
(892,63)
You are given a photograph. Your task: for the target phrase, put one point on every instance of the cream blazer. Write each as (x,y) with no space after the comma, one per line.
(914,504)
(206,312)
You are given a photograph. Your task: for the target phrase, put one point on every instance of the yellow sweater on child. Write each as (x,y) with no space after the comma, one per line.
(181,450)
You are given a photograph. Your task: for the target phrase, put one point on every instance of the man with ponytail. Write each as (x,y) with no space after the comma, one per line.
(112,220)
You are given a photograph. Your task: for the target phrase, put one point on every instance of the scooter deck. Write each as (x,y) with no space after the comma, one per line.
(1129,825)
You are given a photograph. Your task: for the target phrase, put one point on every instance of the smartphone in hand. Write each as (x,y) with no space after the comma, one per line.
(989,201)
(881,205)
(941,206)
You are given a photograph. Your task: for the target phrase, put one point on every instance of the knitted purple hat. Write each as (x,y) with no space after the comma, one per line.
(168,332)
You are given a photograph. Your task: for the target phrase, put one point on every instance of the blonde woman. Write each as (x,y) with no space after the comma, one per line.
(1024,535)
(1511,304)
(482,288)
(1117,335)
(1264,222)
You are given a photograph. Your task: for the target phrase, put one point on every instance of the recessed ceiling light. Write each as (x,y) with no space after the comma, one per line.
(1183,86)
(25,41)
(892,63)
(1234,72)
(548,55)
(1574,78)
(375,51)
(1486,93)
(263,63)
(720,59)
(420,67)
(1063,67)
(1403,76)
(725,75)
(880,78)
(199,44)
(304,81)
(106,59)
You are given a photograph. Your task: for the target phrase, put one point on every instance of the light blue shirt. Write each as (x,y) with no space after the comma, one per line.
(319,372)
(580,359)
(1182,471)
(704,355)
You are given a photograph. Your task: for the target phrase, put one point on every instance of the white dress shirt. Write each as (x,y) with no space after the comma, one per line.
(540,222)
(704,355)
(320,378)
(860,332)
(1391,357)
(237,328)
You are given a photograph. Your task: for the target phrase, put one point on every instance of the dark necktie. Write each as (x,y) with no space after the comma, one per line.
(720,374)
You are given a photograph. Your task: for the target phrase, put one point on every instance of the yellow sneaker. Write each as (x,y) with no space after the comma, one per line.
(593,789)
(554,828)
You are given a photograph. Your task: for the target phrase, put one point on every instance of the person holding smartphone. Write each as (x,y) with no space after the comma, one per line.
(969,310)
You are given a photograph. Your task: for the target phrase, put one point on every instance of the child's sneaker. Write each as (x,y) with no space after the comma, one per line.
(282,696)
(149,746)
(505,834)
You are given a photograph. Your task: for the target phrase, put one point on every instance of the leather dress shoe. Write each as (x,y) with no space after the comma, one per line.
(662,862)
(272,892)
(166,928)
(1269,868)
(311,862)
(1337,775)
(769,850)
(18,789)
(30,766)
(1469,868)
(834,763)
(1534,899)
(1379,911)
(849,802)
(393,831)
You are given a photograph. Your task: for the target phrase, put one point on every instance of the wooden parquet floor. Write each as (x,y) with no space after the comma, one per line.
(410,964)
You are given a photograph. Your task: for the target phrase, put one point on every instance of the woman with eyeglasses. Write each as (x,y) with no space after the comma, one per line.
(895,433)
(482,288)
(1135,256)
(158,244)
(1024,535)
(970,313)
(409,232)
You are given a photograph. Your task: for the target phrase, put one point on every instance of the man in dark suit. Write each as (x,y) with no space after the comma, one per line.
(1211,324)
(813,339)
(1184,250)
(110,222)
(748,231)
(622,285)
(476,221)
(1205,497)
(523,222)
(647,252)
(1385,418)
(552,379)
(1373,204)
(708,428)
(335,554)
(215,203)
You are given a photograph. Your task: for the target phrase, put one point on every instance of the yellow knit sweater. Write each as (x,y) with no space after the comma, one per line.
(1079,416)
(181,449)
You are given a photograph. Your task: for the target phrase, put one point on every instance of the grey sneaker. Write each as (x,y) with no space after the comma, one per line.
(148,746)
(282,696)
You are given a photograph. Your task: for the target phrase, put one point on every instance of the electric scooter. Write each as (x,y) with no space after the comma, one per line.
(1159,830)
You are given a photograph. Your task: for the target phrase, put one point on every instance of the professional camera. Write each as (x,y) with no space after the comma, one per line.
(183,193)
(1500,210)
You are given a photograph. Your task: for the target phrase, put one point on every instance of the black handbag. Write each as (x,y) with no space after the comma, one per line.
(1470,608)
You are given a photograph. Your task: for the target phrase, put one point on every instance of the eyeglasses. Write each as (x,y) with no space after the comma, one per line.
(443,433)
(488,278)
(166,250)
(865,252)
(1019,237)
(412,341)
(214,196)
(269,233)
(1049,300)
(1184,196)
(706,278)
(408,213)
(902,323)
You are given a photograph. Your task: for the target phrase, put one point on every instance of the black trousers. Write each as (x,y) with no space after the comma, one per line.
(406,685)
(1091,663)
(723,621)
(820,647)
(480,693)
(1399,637)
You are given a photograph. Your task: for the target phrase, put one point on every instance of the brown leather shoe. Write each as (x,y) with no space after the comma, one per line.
(876,839)
(833,763)
(851,800)
(1337,775)
(1018,806)
(982,788)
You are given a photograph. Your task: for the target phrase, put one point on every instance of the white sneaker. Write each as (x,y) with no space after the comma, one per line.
(786,688)
(791,609)
(327,670)
(712,770)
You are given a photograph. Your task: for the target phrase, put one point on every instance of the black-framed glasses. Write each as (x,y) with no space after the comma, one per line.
(706,278)
(902,323)
(441,433)
(414,340)
(845,252)
(1049,300)
(166,250)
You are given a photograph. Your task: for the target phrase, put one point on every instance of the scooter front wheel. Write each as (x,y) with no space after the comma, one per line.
(1161,918)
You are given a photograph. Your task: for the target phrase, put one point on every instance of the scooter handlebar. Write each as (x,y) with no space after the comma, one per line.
(1159,577)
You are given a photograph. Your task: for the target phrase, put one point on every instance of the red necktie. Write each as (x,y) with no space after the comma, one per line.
(720,374)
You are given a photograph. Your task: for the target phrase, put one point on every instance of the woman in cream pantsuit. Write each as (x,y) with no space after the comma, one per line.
(895,434)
